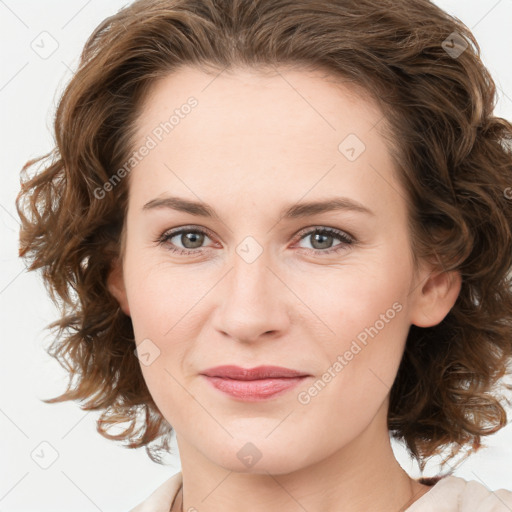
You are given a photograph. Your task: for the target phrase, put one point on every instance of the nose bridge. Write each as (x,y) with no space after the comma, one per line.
(250,279)
(254,302)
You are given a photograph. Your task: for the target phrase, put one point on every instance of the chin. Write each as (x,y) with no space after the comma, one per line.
(277,464)
(259,455)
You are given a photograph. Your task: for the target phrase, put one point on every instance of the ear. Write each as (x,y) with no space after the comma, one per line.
(116,286)
(434,297)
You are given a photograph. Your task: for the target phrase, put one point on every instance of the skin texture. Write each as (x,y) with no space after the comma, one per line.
(254,144)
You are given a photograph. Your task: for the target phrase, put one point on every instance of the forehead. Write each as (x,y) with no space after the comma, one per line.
(247,127)
(262,98)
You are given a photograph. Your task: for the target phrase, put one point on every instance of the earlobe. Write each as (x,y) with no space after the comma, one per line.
(116,286)
(435,298)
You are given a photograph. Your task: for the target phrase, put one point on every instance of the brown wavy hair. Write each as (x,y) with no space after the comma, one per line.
(453,155)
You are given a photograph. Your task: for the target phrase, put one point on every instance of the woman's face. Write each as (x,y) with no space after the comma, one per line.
(257,282)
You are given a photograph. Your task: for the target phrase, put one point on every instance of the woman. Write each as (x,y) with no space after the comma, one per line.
(284,231)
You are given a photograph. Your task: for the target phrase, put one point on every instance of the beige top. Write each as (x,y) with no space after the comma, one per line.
(449,494)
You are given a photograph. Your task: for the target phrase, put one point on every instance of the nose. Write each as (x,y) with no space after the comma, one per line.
(255,302)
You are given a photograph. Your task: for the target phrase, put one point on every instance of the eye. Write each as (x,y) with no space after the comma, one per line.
(190,238)
(322,239)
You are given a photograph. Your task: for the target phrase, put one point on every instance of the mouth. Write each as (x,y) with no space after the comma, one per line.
(253,384)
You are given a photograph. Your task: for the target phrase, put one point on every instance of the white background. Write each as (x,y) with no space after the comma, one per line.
(92,473)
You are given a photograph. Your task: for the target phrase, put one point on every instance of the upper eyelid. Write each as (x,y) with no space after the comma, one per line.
(176,231)
(312,229)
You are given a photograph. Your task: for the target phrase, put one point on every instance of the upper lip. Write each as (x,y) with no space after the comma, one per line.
(260,372)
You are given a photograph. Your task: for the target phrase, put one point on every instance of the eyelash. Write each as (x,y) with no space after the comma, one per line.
(345,238)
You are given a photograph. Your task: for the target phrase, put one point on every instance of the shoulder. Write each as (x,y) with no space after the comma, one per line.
(454,494)
(161,498)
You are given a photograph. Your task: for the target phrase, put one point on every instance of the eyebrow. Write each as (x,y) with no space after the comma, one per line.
(295,211)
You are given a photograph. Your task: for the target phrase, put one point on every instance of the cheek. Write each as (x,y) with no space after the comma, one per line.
(161,296)
(167,311)
(361,362)
(362,334)
(343,301)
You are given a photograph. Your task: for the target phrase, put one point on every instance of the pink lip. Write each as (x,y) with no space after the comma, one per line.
(253,384)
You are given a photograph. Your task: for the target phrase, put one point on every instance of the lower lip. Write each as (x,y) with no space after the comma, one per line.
(254,390)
